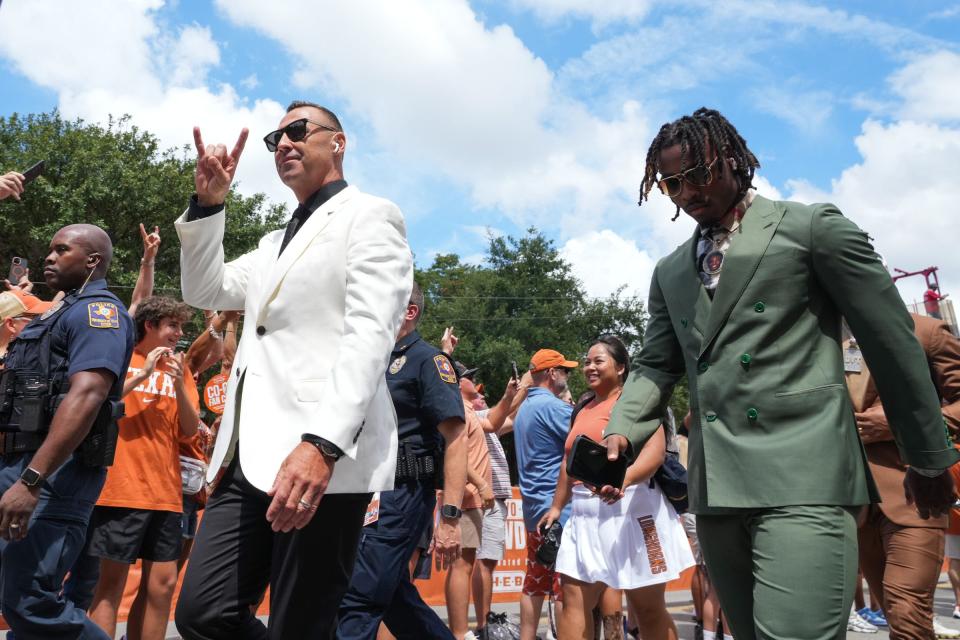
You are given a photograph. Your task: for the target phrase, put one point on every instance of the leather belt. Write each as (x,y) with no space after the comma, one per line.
(19,442)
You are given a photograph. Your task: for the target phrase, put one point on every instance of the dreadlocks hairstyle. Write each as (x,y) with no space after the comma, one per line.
(690,132)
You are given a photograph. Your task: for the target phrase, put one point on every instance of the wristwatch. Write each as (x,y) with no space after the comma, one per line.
(451,512)
(31,477)
(326,448)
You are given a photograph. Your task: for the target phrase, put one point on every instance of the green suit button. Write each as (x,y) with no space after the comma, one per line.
(752,413)
(759,307)
(703,366)
(745,359)
(711,416)
(683,322)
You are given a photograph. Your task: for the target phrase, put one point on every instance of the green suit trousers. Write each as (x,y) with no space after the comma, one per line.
(783,573)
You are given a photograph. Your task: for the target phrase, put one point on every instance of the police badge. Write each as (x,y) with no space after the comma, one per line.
(397,364)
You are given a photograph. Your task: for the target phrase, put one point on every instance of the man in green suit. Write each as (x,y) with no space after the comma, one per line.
(750,310)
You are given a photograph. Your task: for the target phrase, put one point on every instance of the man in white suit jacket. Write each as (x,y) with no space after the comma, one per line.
(309,429)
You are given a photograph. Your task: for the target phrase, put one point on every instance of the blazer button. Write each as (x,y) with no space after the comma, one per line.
(703,366)
(759,307)
(261,330)
(683,322)
(752,414)
(711,416)
(745,359)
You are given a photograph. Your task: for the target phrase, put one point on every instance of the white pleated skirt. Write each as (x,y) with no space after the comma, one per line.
(637,542)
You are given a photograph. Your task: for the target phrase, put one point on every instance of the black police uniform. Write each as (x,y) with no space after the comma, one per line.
(423,385)
(89,330)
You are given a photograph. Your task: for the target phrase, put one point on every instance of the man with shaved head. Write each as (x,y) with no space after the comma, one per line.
(59,401)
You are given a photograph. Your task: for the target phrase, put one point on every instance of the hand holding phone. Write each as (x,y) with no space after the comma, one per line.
(11,184)
(33,172)
(18,269)
(588,463)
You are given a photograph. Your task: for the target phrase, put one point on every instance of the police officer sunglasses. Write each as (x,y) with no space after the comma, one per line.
(698,176)
(296,131)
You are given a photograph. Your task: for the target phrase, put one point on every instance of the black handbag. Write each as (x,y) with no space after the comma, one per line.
(547,552)
(671,477)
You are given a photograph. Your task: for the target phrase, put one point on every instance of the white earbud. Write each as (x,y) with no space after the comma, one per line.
(336,146)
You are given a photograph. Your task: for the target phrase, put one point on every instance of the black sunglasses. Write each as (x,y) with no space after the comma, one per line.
(296,131)
(698,176)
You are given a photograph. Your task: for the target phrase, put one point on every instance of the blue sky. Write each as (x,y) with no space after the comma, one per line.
(491,116)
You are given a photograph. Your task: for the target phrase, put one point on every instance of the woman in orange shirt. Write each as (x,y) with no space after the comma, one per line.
(636,544)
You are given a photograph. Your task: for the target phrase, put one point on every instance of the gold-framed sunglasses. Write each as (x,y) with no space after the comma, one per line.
(296,131)
(698,176)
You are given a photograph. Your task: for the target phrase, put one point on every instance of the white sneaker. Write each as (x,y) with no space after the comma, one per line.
(942,631)
(956,612)
(470,635)
(859,625)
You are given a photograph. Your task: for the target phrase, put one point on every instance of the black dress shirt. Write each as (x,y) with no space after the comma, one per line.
(300,214)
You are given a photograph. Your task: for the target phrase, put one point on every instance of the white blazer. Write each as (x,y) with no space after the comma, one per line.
(320,323)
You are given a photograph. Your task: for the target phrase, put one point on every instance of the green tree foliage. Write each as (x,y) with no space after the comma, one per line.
(115,176)
(523,299)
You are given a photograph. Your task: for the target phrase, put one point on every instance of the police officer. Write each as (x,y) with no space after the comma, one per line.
(430,417)
(59,401)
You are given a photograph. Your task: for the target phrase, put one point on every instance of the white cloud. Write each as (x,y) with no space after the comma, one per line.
(484,233)
(601,13)
(105,58)
(444,93)
(945,14)
(657,55)
(192,55)
(66,45)
(807,111)
(903,194)
(604,261)
(929,87)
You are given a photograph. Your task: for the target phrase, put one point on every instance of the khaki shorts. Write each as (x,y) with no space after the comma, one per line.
(471,524)
(493,538)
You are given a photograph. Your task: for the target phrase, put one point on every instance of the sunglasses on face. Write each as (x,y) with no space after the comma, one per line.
(698,176)
(296,131)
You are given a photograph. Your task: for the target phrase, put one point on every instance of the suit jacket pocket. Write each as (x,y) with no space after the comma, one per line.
(310,390)
(800,392)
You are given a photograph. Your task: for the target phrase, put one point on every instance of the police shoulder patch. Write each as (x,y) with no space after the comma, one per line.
(103,315)
(445,369)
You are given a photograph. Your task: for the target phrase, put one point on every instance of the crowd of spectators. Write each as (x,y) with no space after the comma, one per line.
(616,552)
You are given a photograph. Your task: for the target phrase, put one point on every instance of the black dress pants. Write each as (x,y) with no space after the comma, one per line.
(236,555)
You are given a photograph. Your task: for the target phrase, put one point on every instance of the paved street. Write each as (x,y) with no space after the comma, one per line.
(681,607)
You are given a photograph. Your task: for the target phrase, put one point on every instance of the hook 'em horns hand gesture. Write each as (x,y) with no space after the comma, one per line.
(216,168)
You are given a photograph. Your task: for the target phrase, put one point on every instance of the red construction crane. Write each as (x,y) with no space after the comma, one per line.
(932,296)
(928,273)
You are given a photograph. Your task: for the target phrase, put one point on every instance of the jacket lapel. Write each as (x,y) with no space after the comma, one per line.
(685,289)
(740,263)
(312,228)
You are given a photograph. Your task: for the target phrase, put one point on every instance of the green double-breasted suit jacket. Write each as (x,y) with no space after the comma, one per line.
(772,423)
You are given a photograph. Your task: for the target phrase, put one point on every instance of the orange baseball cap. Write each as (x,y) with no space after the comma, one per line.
(548,359)
(14,303)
